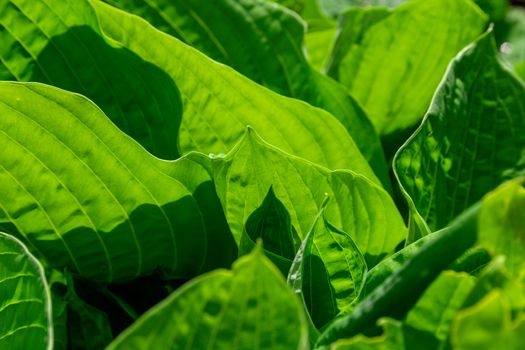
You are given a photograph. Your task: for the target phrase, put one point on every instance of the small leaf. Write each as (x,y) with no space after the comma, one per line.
(271,222)
(329,269)
(88,327)
(249,307)
(26,316)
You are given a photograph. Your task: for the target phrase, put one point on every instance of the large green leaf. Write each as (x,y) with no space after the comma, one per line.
(366,212)
(89,198)
(328,272)
(26,320)
(470,141)
(263,42)
(393,68)
(250,307)
(62,43)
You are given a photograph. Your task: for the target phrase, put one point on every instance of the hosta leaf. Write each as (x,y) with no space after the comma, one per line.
(435,309)
(393,68)
(512,35)
(26,320)
(271,223)
(60,43)
(496,276)
(470,141)
(318,42)
(89,198)
(159,81)
(263,42)
(488,325)
(58,290)
(88,327)
(249,307)
(244,177)
(520,69)
(391,339)
(363,3)
(426,325)
(331,270)
(502,229)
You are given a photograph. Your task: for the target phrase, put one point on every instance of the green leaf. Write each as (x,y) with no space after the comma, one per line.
(261,41)
(60,43)
(470,140)
(57,287)
(426,325)
(345,4)
(318,41)
(394,68)
(329,271)
(520,70)
(89,198)
(391,338)
(400,291)
(488,325)
(88,327)
(113,47)
(496,277)
(512,35)
(496,9)
(26,316)
(502,229)
(243,177)
(271,223)
(435,309)
(249,307)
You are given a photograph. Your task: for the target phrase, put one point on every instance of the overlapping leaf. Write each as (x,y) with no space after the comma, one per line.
(488,325)
(249,307)
(360,208)
(502,230)
(471,140)
(165,94)
(92,200)
(271,223)
(263,42)
(427,324)
(328,271)
(395,65)
(26,320)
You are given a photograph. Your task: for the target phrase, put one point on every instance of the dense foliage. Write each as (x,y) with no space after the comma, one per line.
(255,174)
